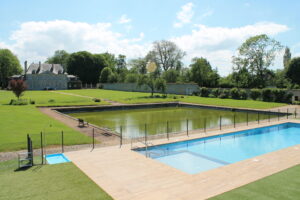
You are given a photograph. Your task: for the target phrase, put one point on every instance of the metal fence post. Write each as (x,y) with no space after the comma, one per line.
(62,141)
(220,122)
(42,150)
(287,113)
(204,125)
(121,136)
(295,113)
(93,138)
(146,134)
(234,120)
(168,130)
(278,114)
(247,118)
(187,127)
(258,117)
(269,115)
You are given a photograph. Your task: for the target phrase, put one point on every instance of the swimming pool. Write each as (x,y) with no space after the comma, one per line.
(198,155)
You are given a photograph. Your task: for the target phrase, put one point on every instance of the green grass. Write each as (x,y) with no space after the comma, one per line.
(139,97)
(62,181)
(283,185)
(17,121)
(48,98)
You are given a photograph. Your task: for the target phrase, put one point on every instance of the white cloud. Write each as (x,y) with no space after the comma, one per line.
(35,41)
(218,44)
(124,19)
(184,16)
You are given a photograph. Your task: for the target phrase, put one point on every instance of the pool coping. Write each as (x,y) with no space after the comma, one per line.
(126,174)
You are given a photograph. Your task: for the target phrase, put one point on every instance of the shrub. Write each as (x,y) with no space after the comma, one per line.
(216,92)
(267,95)
(174,97)
(279,95)
(243,94)
(255,94)
(224,94)
(204,92)
(51,101)
(235,93)
(19,102)
(196,93)
(18,87)
(96,100)
(288,97)
(32,102)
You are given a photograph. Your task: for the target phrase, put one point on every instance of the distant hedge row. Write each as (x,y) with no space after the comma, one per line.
(267,94)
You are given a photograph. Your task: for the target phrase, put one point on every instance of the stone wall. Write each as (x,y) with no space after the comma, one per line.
(42,81)
(172,88)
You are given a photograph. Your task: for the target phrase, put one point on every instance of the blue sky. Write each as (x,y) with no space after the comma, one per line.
(34,29)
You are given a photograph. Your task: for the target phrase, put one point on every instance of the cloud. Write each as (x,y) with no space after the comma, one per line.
(184,16)
(35,41)
(218,44)
(124,19)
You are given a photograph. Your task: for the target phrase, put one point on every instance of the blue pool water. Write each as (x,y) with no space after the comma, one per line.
(56,158)
(200,155)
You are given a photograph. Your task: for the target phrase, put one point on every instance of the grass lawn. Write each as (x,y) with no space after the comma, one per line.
(283,185)
(139,97)
(62,181)
(48,98)
(17,121)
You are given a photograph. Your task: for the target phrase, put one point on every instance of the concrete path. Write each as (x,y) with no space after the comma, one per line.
(128,175)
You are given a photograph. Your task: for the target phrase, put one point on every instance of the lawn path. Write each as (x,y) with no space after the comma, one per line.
(78,95)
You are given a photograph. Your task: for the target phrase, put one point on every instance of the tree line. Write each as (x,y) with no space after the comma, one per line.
(163,64)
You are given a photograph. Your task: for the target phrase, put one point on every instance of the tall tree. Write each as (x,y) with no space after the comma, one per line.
(293,71)
(86,66)
(286,57)
(9,65)
(166,55)
(203,74)
(256,54)
(138,65)
(59,57)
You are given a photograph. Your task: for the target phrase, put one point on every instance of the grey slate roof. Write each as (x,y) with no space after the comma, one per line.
(42,68)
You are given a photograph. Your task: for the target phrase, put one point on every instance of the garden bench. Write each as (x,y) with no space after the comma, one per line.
(82,123)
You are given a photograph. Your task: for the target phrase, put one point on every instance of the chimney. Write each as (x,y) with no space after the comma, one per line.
(40,64)
(25,69)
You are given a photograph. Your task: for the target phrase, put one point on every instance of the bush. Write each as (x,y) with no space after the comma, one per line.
(204,92)
(235,93)
(196,93)
(255,94)
(288,97)
(51,101)
(32,102)
(243,94)
(19,102)
(96,100)
(267,95)
(279,95)
(216,92)
(224,94)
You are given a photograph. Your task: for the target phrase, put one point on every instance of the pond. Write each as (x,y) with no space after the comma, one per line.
(134,122)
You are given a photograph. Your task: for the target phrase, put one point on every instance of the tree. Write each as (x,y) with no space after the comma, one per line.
(152,83)
(286,57)
(18,87)
(9,65)
(105,74)
(59,57)
(170,76)
(256,54)
(86,66)
(203,74)
(166,55)
(138,65)
(293,70)
(161,85)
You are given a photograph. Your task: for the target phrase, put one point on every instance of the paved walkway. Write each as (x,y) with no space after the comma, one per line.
(127,175)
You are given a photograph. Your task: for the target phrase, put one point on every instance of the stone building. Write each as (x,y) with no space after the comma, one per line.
(48,77)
